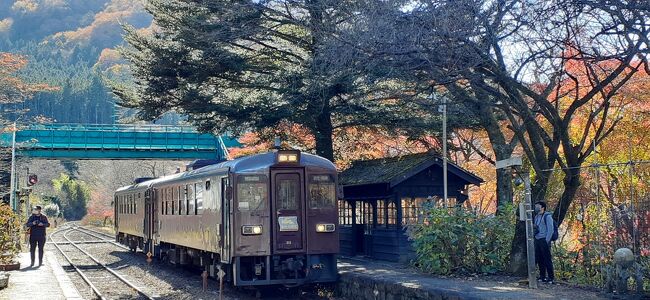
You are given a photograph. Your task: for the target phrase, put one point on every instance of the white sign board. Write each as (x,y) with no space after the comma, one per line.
(513,161)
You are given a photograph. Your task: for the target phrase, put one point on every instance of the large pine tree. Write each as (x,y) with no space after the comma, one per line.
(244,65)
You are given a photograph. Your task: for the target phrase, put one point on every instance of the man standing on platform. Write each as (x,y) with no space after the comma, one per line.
(544,229)
(37,224)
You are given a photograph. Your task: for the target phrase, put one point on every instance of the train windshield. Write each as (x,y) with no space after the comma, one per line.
(252,192)
(322,191)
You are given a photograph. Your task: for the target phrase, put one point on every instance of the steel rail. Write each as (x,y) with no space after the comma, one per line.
(83,276)
(120,277)
(80,242)
(90,232)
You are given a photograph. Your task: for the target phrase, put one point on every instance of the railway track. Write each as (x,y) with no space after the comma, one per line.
(104,281)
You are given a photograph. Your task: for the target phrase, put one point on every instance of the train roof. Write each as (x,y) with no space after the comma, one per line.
(247,164)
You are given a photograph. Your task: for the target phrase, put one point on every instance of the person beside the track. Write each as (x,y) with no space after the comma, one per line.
(37,223)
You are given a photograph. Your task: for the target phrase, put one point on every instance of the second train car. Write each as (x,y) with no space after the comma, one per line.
(264,219)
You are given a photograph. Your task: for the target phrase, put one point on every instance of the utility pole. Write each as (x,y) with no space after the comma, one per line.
(442,108)
(444,149)
(525,214)
(12,188)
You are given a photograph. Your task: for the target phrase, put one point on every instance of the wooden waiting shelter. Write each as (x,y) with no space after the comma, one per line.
(383,196)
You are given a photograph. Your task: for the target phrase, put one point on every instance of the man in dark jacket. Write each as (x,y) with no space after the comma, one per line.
(543,233)
(37,224)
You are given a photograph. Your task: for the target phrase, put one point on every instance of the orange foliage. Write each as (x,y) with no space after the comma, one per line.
(105,28)
(12,88)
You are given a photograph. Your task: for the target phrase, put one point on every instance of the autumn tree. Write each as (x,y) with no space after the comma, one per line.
(241,65)
(13,92)
(535,66)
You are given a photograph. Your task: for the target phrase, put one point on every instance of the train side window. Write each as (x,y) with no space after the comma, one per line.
(174,194)
(119,204)
(161,205)
(131,204)
(190,199)
(181,198)
(163,201)
(199,198)
(169,198)
(135,204)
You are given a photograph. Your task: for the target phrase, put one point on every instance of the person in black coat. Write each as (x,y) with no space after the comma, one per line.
(37,224)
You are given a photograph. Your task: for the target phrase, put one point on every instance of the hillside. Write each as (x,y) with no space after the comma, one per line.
(69,44)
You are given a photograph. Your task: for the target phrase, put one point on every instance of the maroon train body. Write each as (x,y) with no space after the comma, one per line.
(264,219)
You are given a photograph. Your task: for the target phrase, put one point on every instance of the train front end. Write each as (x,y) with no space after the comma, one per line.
(285,221)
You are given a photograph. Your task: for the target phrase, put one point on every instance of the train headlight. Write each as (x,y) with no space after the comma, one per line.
(325,228)
(251,229)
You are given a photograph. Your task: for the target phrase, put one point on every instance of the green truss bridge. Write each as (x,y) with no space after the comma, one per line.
(116,142)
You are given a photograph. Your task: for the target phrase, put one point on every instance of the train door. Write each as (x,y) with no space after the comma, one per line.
(288,206)
(116,213)
(150,218)
(226,200)
(147,217)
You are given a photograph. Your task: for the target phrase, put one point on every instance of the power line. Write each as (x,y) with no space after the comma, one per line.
(599,165)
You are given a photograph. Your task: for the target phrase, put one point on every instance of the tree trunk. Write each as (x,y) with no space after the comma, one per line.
(502,150)
(571,185)
(504,188)
(323,131)
(518,260)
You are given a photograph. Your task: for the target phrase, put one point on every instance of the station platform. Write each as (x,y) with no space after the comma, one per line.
(368,279)
(48,281)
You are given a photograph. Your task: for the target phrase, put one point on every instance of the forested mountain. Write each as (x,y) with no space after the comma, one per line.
(69,45)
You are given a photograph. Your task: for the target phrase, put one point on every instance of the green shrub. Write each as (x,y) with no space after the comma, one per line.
(9,234)
(458,241)
(51,210)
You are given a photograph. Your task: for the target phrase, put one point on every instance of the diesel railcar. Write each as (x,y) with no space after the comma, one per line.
(264,219)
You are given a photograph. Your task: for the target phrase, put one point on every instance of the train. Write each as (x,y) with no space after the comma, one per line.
(263,219)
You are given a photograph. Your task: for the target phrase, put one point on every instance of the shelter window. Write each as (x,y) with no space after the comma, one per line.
(409,211)
(199,198)
(391,214)
(360,213)
(322,191)
(345,213)
(252,192)
(381,212)
(368,217)
(189,209)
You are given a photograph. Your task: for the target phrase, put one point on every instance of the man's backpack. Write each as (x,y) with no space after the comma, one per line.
(555,233)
